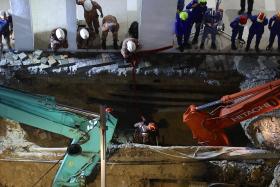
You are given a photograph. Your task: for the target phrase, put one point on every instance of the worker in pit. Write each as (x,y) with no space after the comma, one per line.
(85,38)
(110,24)
(213,23)
(58,39)
(257,28)
(5,30)
(237,26)
(90,13)
(182,27)
(128,50)
(274,27)
(197,10)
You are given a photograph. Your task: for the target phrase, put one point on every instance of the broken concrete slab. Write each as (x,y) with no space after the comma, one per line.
(3,62)
(63,62)
(16,63)
(26,62)
(15,57)
(37,54)
(22,56)
(44,60)
(52,62)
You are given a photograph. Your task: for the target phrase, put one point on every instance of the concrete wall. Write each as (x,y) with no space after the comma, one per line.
(4,4)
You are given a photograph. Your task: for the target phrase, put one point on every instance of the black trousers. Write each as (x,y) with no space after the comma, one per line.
(250,5)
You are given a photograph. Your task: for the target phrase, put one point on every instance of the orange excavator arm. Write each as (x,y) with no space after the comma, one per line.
(208,127)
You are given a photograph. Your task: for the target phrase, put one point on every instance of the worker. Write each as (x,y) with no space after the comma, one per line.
(274,27)
(237,26)
(110,23)
(58,39)
(90,13)
(128,49)
(85,38)
(182,25)
(212,22)
(4,30)
(133,30)
(198,9)
(250,7)
(257,28)
(180,5)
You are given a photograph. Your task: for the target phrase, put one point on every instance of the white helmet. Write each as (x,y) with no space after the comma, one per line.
(60,34)
(131,47)
(88,5)
(84,33)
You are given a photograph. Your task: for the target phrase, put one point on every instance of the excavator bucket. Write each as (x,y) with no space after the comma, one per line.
(196,120)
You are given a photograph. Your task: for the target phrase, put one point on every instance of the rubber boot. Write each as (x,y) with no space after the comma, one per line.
(103,45)
(195,41)
(188,45)
(241,12)
(257,48)
(233,46)
(213,46)
(247,48)
(181,48)
(116,44)
(268,48)
(201,46)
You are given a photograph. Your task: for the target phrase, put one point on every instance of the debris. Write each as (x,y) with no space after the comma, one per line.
(37,54)
(22,56)
(3,62)
(44,60)
(26,62)
(63,62)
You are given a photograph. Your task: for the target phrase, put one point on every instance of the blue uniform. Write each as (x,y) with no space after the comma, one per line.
(237,29)
(211,23)
(181,30)
(4,27)
(257,29)
(274,27)
(196,16)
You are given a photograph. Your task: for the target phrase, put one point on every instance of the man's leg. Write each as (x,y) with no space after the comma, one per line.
(249,40)
(89,21)
(115,40)
(96,24)
(258,40)
(180,42)
(250,6)
(197,32)
(213,37)
(233,37)
(205,33)
(242,5)
(187,37)
(271,40)
(278,36)
(103,38)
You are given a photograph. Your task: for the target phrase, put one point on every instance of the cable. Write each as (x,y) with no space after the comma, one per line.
(47,171)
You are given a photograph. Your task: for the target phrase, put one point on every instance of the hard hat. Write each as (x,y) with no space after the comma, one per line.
(131,47)
(60,34)
(183,15)
(243,20)
(278,15)
(261,17)
(88,5)
(202,2)
(2,14)
(84,33)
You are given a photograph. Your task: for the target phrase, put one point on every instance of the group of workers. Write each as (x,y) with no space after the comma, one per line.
(197,12)
(6,29)
(85,36)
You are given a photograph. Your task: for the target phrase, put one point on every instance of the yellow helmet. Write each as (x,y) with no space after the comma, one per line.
(278,15)
(183,15)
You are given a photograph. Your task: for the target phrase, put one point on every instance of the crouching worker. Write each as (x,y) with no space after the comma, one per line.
(237,26)
(182,27)
(85,38)
(274,27)
(58,39)
(128,50)
(110,24)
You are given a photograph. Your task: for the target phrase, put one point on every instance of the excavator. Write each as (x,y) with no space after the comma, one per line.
(82,127)
(207,122)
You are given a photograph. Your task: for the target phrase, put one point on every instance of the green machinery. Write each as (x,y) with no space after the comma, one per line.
(42,112)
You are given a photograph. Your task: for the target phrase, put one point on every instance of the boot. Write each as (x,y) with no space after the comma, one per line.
(268,48)
(116,44)
(188,45)
(213,46)
(241,12)
(181,48)
(247,48)
(233,46)
(257,48)
(242,40)
(201,46)
(195,41)
(103,45)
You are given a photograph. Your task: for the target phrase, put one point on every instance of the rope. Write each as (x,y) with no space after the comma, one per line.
(47,171)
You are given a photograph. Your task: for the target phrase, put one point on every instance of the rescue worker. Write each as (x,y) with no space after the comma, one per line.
(274,27)
(110,23)
(90,13)
(212,22)
(85,38)
(181,26)
(180,5)
(198,9)
(250,7)
(128,49)
(237,26)
(58,39)
(4,30)
(257,28)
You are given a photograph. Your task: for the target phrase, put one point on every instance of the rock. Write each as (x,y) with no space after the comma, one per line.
(16,63)
(63,62)
(56,57)
(3,62)
(276,180)
(38,54)
(36,61)
(52,62)
(15,57)
(22,56)
(44,60)
(26,62)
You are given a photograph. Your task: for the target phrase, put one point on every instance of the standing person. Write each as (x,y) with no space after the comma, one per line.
(198,9)
(274,27)
(180,5)
(90,13)
(58,39)
(110,23)
(257,28)
(85,38)
(181,26)
(237,26)
(212,21)
(128,49)
(4,30)
(250,7)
